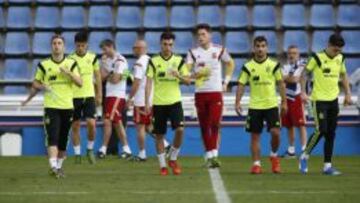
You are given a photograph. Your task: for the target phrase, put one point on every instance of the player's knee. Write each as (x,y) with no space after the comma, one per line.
(179,129)
(91,122)
(76,125)
(275,132)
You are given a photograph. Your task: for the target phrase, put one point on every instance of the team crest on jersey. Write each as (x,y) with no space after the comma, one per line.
(214,56)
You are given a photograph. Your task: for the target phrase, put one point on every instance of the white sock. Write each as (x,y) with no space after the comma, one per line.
(303,148)
(90,145)
(304,156)
(126,149)
(174,153)
(209,155)
(103,149)
(215,152)
(273,154)
(327,166)
(53,162)
(60,163)
(162,160)
(77,150)
(291,149)
(142,154)
(166,144)
(257,163)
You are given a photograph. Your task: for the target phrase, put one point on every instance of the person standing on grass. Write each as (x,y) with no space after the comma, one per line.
(263,75)
(207,61)
(56,76)
(328,69)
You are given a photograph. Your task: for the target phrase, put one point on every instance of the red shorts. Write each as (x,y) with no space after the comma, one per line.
(140,117)
(114,106)
(209,107)
(295,116)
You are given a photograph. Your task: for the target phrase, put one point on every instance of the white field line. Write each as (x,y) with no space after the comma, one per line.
(218,187)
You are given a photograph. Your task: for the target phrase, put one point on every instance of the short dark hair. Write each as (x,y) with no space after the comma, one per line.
(292,46)
(336,40)
(57,36)
(204,26)
(260,38)
(167,35)
(107,43)
(81,36)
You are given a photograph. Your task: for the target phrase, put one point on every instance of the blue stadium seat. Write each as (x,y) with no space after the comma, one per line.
(236,17)
(73,17)
(239,62)
(352,45)
(100,17)
(348,16)
(210,15)
(128,17)
(237,42)
(155,17)
(322,16)
(125,42)
(298,38)
(293,16)
(264,16)
(182,17)
(69,41)
(2,43)
(271,38)
(153,41)
(95,39)
(34,66)
(19,17)
(320,40)
(42,43)
(15,90)
(16,69)
(2,19)
(17,43)
(47,17)
(352,64)
(217,38)
(184,41)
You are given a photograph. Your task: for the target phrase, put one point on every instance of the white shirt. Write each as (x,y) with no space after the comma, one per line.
(212,59)
(293,89)
(355,82)
(139,72)
(118,65)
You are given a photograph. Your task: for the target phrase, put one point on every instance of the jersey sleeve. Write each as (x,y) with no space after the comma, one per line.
(183,70)
(75,69)
(244,76)
(343,67)
(225,56)
(150,69)
(138,71)
(310,66)
(277,72)
(120,66)
(96,64)
(190,58)
(40,73)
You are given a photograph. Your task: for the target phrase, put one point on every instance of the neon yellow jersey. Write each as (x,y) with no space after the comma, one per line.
(88,64)
(166,87)
(326,73)
(60,95)
(262,78)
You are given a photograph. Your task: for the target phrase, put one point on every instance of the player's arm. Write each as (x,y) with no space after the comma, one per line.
(150,73)
(305,75)
(98,87)
(282,88)
(345,84)
(243,80)
(36,87)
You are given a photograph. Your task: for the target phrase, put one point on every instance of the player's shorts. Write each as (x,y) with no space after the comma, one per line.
(114,107)
(57,124)
(163,113)
(84,108)
(256,117)
(140,117)
(295,116)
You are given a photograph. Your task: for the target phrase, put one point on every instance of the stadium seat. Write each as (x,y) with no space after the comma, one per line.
(2,19)
(237,42)
(47,17)
(293,16)
(19,17)
(155,17)
(16,69)
(352,45)
(264,17)
(351,65)
(128,17)
(184,41)
(348,16)
(239,62)
(34,66)
(236,17)
(182,17)
(17,43)
(217,38)
(42,43)
(73,17)
(125,42)
(100,17)
(2,43)
(271,38)
(153,41)
(322,16)
(15,90)
(320,40)
(298,38)
(69,41)
(95,39)
(210,15)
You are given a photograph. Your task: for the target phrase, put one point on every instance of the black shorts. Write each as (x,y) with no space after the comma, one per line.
(163,113)
(84,108)
(256,117)
(57,124)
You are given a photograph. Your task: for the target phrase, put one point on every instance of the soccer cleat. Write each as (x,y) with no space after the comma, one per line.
(303,165)
(168,151)
(175,167)
(288,155)
(77,159)
(53,172)
(61,173)
(256,169)
(275,164)
(126,156)
(215,163)
(138,159)
(101,155)
(164,171)
(331,172)
(91,157)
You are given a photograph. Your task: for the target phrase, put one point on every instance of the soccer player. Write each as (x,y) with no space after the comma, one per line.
(262,74)
(114,70)
(166,70)
(207,61)
(327,68)
(56,76)
(137,98)
(295,116)
(87,97)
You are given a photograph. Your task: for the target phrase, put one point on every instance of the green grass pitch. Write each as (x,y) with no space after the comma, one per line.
(25,179)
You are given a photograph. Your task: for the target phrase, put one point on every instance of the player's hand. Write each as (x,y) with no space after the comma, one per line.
(347,100)
(65,70)
(174,73)
(304,97)
(238,108)
(284,108)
